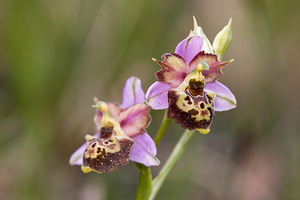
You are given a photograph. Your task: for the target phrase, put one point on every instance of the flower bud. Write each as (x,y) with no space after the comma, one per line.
(222,40)
(199,32)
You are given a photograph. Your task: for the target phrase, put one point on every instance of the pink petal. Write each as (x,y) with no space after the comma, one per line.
(77,157)
(157,95)
(174,69)
(189,47)
(144,150)
(114,109)
(134,119)
(224,100)
(132,92)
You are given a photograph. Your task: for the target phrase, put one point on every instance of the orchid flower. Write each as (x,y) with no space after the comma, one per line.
(187,83)
(121,134)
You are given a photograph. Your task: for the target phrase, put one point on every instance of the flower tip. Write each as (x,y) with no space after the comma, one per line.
(195,24)
(229,23)
(89,138)
(155,60)
(72,160)
(101,105)
(85,169)
(156,162)
(204,131)
(202,66)
(95,99)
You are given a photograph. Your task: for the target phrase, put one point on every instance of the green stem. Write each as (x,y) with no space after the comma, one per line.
(145,182)
(172,160)
(163,127)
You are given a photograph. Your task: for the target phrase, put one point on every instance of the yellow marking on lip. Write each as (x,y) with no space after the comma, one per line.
(204,130)
(92,152)
(86,169)
(184,106)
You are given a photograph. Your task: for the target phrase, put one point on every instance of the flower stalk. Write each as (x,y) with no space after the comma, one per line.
(145,182)
(163,127)
(172,160)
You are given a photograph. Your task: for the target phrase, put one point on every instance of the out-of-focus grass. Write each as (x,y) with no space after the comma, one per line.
(55,56)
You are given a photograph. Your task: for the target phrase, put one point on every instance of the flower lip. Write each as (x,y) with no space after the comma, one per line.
(191,112)
(104,155)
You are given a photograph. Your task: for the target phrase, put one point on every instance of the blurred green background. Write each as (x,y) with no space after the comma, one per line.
(56,55)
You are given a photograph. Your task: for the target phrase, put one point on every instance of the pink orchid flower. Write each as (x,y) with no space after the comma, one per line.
(121,134)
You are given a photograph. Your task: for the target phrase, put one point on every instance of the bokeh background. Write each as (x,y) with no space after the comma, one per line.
(55,56)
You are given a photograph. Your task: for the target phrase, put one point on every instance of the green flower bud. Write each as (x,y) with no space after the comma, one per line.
(222,40)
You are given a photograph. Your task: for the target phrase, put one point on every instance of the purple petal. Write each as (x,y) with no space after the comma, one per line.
(157,95)
(194,47)
(132,92)
(181,47)
(77,157)
(224,100)
(189,47)
(144,151)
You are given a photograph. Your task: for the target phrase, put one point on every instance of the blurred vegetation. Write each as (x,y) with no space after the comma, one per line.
(55,56)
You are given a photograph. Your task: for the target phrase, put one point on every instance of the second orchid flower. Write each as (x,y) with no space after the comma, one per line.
(121,134)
